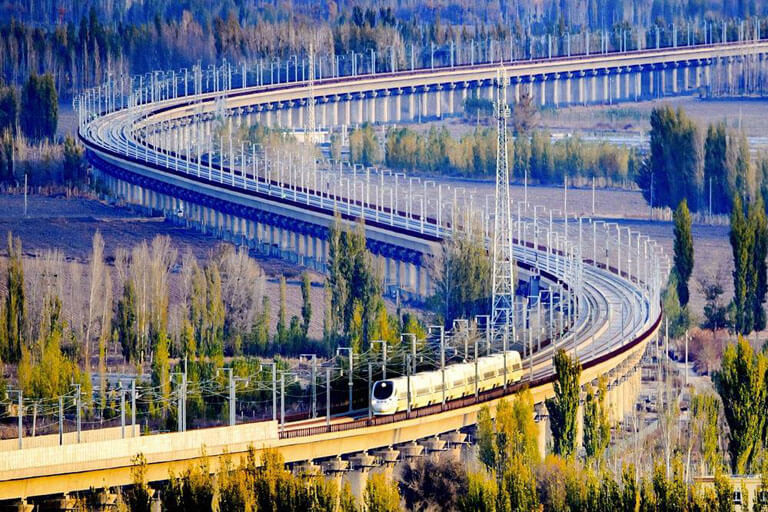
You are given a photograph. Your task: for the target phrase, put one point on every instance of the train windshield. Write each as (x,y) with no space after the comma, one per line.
(383,389)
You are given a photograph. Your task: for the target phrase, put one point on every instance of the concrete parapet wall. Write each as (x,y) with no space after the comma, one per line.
(86,436)
(119,452)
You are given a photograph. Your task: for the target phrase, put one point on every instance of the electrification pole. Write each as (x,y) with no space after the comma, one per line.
(502,307)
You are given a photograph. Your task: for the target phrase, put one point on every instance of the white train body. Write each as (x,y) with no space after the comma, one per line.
(391,395)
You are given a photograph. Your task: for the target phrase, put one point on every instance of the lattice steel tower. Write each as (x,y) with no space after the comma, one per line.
(502,308)
(309,135)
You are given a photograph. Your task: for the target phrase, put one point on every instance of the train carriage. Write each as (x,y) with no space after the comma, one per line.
(391,395)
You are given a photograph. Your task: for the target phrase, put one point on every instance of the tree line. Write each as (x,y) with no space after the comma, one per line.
(50,307)
(533,155)
(705,170)
(82,43)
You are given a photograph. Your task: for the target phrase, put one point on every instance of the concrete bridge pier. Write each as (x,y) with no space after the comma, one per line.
(627,93)
(360,108)
(674,78)
(438,94)
(360,466)
(385,106)
(398,105)
(371,108)
(556,90)
(451,103)
(618,94)
(543,89)
(638,85)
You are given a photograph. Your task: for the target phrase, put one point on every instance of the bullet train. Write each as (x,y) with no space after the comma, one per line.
(391,395)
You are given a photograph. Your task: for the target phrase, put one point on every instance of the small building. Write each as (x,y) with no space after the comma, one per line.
(747,489)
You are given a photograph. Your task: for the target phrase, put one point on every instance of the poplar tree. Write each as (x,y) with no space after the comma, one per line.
(354,283)
(282,325)
(759,226)
(683,247)
(12,333)
(306,303)
(597,428)
(9,109)
(741,383)
(39,107)
(126,322)
(742,245)
(716,169)
(564,405)
(380,494)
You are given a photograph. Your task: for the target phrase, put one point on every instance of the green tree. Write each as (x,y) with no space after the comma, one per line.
(281,336)
(364,146)
(161,371)
(742,388)
(7,156)
(597,427)
(481,495)
(717,188)
(679,317)
(705,409)
(462,280)
(258,340)
(126,322)
(380,495)
(683,248)
(673,169)
(15,307)
(715,312)
(74,165)
(563,407)
(44,371)
(9,109)
(757,276)
(513,436)
(306,303)
(742,246)
(193,490)
(39,107)
(354,284)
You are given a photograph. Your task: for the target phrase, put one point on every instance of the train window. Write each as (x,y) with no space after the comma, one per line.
(490,374)
(383,389)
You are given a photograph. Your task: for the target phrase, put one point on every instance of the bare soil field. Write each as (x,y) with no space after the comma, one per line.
(750,114)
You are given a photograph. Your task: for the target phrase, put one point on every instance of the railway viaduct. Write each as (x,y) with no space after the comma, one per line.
(149,144)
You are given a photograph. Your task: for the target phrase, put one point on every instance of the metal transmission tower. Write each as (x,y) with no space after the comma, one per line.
(502,309)
(309,135)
